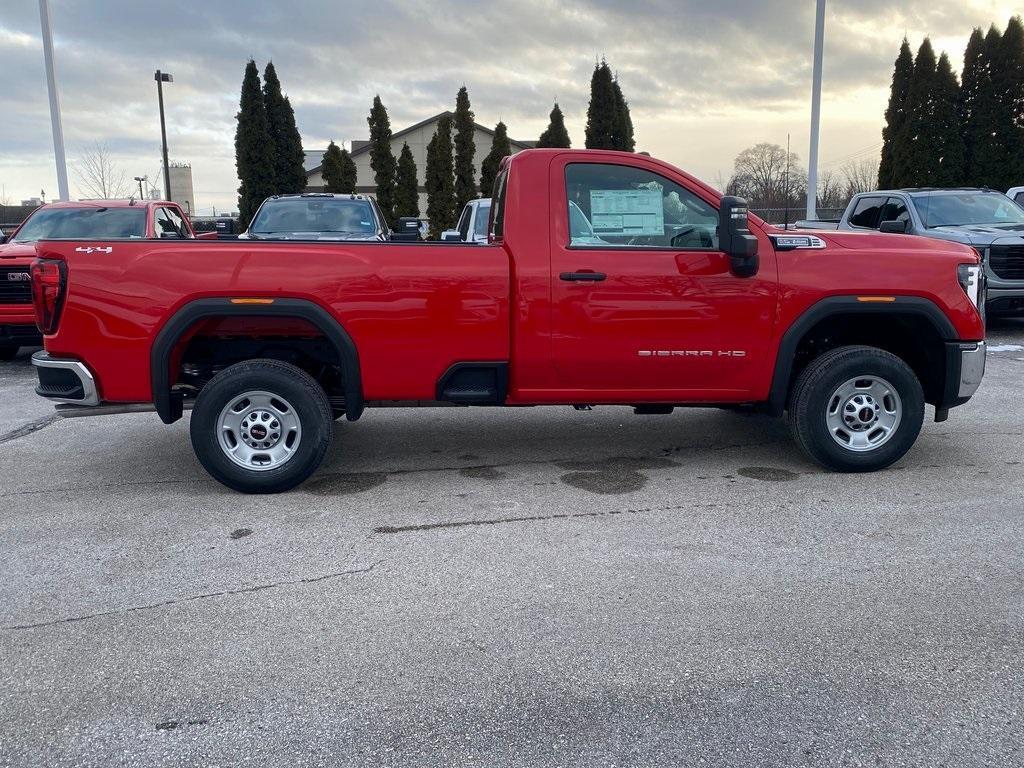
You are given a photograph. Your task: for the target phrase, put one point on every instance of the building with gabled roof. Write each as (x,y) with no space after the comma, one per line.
(417,137)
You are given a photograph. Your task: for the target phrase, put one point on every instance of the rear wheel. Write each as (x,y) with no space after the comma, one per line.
(261,426)
(8,352)
(856,409)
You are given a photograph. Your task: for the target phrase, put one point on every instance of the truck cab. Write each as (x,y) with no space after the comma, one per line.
(472,225)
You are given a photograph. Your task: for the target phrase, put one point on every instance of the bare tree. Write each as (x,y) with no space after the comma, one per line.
(831,192)
(98,176)
(767,177)
(861,176)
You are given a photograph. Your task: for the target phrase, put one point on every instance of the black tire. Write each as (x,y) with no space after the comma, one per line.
(296,388)
(814,389)
(8,352)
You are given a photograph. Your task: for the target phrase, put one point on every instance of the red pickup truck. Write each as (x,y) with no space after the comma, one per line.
(608,278)
(141,219)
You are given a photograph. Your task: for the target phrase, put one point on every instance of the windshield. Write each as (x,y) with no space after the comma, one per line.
(968,208)
(292,215)
(480,225)
(83,224)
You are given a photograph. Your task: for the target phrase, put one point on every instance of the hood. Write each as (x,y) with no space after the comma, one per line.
(979,234)
(17,251)
(885,242)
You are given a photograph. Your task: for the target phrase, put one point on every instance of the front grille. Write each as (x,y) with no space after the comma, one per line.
(1007,261)
(14,291)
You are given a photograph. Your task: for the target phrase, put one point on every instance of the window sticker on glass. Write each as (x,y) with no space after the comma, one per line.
(627,212)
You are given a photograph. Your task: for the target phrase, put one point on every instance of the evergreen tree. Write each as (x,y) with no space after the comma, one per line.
(601,113)
(1008,86)
(348,173)
(914,158)
(555,134)
(254,149)
(983,135)
(623,124)
(440,180)
(971,90)
(382,159)
(289,160)
(465,150)
(331,168)
(500,147)
(946,136)
(407,197)
(895,114)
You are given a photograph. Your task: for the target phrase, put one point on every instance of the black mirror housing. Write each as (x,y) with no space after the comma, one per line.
(735,238)
(894,227)
(3,238)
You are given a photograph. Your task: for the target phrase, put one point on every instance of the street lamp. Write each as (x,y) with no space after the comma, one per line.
(161,78)
(140,179)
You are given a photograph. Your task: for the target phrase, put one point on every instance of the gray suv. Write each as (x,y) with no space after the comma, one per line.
(988,221)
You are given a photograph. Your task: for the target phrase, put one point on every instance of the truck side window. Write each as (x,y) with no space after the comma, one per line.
(621,206)
(894,210)
(178,222)
(868,212)
(163,225)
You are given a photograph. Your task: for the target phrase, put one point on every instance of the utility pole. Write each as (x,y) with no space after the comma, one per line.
(812,158)
(161,78)
(51,85)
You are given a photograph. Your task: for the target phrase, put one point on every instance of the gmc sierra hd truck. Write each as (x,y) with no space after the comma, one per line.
(608,278)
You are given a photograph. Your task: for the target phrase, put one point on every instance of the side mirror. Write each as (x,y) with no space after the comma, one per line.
(451,235)
(3,238)
(734,237)
(894,227)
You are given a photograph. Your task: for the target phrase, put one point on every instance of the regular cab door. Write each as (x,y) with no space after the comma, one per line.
(644,305)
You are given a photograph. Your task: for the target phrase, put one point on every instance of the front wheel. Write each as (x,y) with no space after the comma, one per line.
(856,409)
(261,426)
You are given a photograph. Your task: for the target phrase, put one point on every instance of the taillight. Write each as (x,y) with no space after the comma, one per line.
(49,279)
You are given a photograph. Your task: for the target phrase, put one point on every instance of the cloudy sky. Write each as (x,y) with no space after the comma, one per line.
(704,80)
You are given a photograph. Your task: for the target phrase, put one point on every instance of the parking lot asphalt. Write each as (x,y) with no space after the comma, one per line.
(515,587)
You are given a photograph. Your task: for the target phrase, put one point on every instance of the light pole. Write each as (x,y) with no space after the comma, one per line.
(51,86)
(812,159)
(140,179)
(161,78)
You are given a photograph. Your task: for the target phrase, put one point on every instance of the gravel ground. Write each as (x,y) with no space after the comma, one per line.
(515,587)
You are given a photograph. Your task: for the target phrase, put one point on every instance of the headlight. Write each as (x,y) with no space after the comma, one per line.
(972,280)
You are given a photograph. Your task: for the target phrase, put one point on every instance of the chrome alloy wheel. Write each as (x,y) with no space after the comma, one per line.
(259,430)
(863,413)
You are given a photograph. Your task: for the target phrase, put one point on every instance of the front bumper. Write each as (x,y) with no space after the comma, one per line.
(965,368)
(64,380)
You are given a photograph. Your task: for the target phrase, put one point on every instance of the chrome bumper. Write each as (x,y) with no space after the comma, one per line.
(972,367)
(65,390)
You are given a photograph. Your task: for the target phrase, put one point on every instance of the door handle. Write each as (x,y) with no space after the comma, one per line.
(583,276)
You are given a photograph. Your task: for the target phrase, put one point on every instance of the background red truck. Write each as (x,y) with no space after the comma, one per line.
(91,219)
(609,278)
